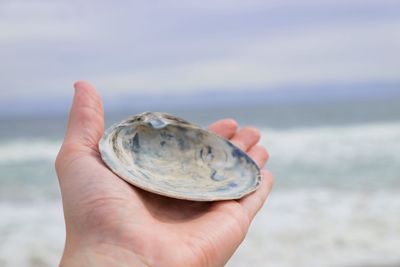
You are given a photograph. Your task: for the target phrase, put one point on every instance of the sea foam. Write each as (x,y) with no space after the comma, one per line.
(335,202)
(302,227)
(345,156)
(23,150)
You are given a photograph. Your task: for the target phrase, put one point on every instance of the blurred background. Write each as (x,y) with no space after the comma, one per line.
(321,79)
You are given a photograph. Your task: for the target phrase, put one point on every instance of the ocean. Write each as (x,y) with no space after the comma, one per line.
(336,199)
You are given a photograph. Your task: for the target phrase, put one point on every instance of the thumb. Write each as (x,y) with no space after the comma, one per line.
(86,118)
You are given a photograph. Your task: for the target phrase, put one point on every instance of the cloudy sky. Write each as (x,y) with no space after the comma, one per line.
(154,48)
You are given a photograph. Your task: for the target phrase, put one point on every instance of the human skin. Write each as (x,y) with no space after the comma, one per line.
(111,223)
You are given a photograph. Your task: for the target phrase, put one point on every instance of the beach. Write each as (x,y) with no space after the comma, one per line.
(319,79)
(335,201)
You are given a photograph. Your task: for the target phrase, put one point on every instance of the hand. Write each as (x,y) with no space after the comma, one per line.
(111,223)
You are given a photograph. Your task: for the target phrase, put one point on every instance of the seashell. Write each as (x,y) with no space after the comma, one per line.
(167,155)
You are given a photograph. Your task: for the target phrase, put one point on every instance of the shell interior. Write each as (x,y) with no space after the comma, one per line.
(167,155)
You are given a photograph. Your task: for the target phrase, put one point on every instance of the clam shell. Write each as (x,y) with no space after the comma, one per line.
(167,155)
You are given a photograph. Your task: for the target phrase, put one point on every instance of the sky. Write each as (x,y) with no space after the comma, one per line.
(191,51)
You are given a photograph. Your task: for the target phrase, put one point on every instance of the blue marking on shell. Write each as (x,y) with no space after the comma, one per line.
(232,184)
(182,144)
(237,153)
(217,177)
(135,143)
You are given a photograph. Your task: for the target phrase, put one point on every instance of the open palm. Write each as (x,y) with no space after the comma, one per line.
(110,220)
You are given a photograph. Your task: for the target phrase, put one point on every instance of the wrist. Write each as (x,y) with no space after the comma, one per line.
(101,255)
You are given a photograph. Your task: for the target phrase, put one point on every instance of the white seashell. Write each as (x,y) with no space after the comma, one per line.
(169,156)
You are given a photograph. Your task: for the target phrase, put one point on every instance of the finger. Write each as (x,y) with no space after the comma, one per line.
(86,119)
(259,154)
(253,202)
(225,128)
(245,138)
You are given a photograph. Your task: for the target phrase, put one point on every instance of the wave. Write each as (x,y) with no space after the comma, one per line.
(308,220)
(324,227)
(336,143)
(341,156)
(317,145)
(25,150)
(295,228)
(346,156)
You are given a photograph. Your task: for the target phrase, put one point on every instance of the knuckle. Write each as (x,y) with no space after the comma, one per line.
(263,152)
(253,131)
(269,176)
(57,163)
(67,154)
